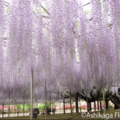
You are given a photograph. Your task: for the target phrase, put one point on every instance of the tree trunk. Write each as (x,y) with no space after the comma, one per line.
(89,106)
(106,104)
(116,107)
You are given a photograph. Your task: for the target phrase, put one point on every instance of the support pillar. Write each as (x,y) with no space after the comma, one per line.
(31,96)
(3,110)
(64,104)
(104,99)
(98,104)
(23,107)
(80,104)
(94,106)
(76,101)
(100,101)
(87,104)
(9,106)
(50,102)
(70,103)
(45,102)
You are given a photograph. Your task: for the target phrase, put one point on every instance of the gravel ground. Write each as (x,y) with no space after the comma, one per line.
(110,114)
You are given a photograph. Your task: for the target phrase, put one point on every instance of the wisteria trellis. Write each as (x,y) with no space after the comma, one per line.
(50,44)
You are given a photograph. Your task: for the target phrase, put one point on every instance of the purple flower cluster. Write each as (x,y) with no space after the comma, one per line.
(61,45)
